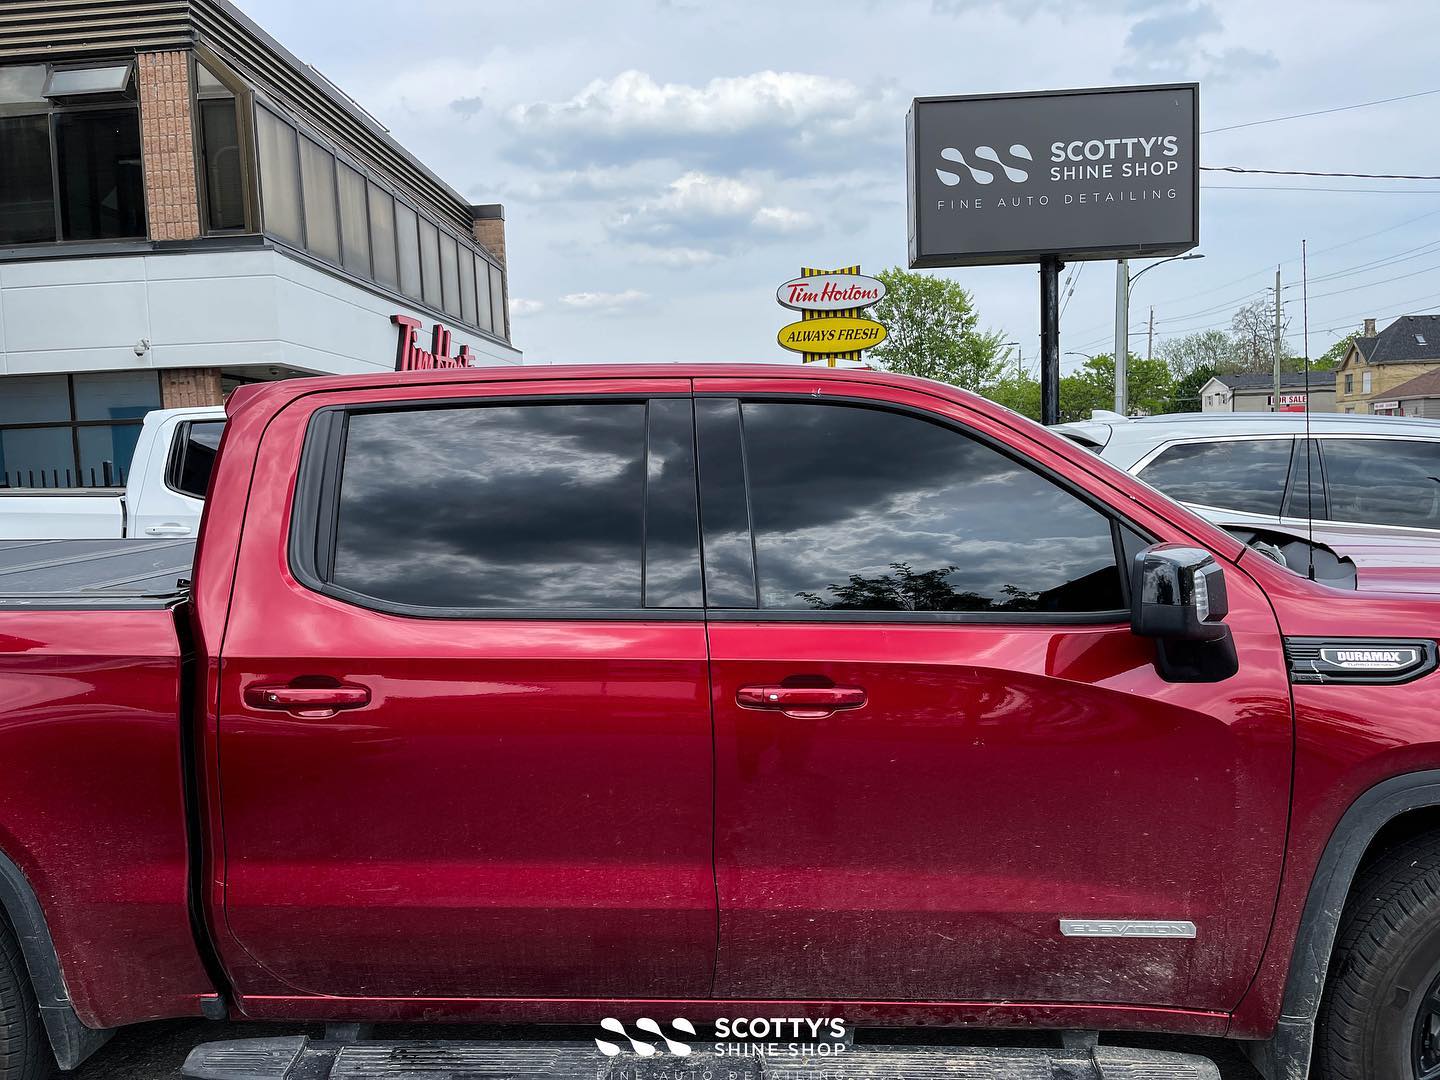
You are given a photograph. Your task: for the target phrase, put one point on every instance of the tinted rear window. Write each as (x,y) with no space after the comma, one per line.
(495,506)
(1240,474)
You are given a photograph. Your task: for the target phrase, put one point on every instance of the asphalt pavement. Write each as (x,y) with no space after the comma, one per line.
(156,1051)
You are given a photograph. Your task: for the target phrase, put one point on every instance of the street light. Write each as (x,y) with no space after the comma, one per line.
(1124,281)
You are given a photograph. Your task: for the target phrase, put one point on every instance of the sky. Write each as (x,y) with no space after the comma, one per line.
(666,164)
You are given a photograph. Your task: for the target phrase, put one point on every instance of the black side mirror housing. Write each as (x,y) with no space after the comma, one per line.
(1178,597)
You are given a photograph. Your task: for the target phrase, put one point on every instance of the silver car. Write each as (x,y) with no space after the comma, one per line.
(1368,486)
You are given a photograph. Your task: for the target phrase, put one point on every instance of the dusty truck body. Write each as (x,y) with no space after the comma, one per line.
(710,692)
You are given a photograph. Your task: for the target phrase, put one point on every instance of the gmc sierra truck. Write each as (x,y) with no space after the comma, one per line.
(654,698)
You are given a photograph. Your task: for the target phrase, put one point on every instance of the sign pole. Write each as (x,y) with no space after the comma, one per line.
(1122,337)
(1050,340)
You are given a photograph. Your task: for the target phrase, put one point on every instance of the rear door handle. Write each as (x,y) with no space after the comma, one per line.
(173,528)
(311,702)
(801,702)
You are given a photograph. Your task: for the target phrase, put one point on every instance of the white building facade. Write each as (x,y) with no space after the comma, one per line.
(185,207)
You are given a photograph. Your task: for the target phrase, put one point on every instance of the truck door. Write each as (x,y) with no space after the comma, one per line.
(946,769)
(465,735)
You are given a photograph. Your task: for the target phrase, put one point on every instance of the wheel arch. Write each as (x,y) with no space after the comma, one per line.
(1368,825)
(70,1040)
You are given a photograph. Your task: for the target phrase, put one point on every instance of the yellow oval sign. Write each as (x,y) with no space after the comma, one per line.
(839,335)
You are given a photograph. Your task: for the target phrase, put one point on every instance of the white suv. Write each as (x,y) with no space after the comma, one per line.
(1371,484)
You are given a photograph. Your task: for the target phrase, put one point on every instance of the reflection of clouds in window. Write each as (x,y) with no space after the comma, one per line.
(864,509)
(504,506)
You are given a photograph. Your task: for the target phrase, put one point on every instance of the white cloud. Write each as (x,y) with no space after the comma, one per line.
(765,117)
(521,306)
(718,211)
(604,303)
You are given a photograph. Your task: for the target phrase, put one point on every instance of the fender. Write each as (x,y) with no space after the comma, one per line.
(71,1041)
(1286,1055)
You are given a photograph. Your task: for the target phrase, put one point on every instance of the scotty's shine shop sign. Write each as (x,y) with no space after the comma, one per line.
(1080,174)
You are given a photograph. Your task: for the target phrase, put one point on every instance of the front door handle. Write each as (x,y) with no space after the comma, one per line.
(311,702)
(801,702)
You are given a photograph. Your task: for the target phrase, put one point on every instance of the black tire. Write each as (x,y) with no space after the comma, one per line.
(1385,972)
(24,1051)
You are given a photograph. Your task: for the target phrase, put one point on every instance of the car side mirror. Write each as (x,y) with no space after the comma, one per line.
(1178,597)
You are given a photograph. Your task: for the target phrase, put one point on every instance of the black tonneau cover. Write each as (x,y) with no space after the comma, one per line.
(94,573)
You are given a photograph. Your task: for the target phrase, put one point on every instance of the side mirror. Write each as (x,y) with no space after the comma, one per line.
(1178,597)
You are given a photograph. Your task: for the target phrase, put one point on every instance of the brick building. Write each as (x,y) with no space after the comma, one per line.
(1379,362)
(185,206)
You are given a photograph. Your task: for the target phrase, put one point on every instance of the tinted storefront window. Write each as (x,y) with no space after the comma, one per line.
(495,507)
(1242,474)
(59,431)
(867,510)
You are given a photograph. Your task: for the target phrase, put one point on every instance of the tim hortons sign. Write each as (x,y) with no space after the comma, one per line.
(410,357)
(830,292)
(831,328)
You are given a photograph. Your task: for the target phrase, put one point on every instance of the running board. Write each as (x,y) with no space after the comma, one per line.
(301,1058)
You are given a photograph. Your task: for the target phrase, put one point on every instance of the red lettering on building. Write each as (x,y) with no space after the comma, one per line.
(409,356)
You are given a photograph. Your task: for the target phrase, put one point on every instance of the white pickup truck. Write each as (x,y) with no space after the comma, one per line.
(162,496)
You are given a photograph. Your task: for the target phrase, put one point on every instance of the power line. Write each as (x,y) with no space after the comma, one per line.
(1372,284)
(1319,112)
(1374,264)
(1307,172)
(1337,190)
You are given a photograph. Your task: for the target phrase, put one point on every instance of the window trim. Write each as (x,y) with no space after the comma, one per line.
(1116,520)
(314,513)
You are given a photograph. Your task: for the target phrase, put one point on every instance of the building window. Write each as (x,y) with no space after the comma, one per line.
(69,431)
(1349,384)
(1365,383)
(382,236)
(317,183)
(407,243)
(497,302)
(279,177)
(222,169)
(482,295)
(313,199)
(84,123)
(354,221)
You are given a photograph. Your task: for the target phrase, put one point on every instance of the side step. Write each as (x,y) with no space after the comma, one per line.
(302,1058)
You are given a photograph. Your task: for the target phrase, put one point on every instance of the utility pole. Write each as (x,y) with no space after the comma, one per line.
(1150,336)
(1275,401)
(1122,337)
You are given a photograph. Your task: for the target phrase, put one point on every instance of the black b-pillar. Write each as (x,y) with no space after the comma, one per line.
(1050,339)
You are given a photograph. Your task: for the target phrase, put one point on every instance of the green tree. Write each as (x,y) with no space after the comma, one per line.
(1092,386)
(1212,350)
(1330,359)
(931,328)
(1185,392)
(1018,392)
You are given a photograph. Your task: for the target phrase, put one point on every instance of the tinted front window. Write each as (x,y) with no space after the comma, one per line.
(1247,474)
(861,509)
(497,506)
(1384,481)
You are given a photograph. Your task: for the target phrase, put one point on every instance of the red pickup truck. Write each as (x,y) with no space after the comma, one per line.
(557,695)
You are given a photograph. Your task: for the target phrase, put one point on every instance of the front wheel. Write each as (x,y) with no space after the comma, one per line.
(24,1053)
(1380,1017)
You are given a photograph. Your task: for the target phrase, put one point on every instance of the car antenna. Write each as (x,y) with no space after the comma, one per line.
(1309,445)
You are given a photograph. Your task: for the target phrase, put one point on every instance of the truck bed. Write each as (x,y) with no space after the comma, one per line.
(94,573)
